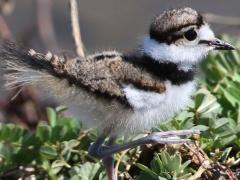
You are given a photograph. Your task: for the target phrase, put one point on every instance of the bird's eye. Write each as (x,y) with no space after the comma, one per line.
(190,35)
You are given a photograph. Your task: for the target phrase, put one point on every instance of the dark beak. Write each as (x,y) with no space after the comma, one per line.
(218,44)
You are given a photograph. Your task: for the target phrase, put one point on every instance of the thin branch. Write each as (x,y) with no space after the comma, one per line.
(205,165)
(45,25)
(5,32)
(76,28)
(225,20)
(84,133)
(123,153)
(6,7)
(203,160)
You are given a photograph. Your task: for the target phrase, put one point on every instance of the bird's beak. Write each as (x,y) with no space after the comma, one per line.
(218,44)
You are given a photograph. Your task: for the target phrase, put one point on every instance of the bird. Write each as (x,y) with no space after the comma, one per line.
(124,93)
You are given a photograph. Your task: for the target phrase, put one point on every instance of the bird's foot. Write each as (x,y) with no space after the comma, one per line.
(106,152)
(167,137)
(171,137)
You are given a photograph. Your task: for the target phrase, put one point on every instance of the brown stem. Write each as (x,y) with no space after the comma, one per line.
(76,28)
(4,29)
(45,25)
(219,19)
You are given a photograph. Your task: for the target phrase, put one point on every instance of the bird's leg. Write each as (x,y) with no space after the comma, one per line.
(108,162)
(168,137)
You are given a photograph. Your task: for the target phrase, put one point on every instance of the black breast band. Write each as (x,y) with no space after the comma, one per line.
(164,70)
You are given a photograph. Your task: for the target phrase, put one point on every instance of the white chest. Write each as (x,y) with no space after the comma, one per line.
(151,108)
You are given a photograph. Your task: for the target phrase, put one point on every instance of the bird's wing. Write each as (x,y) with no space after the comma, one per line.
(109,73)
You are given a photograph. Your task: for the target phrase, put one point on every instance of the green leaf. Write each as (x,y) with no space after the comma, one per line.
(207,102)
(147,170)
(201,127)
(48,152)
(58,165)
(184,165)
(88,170)
(143,176)
(43,132)
(227,140)
(225,154)
(165,158)
(61,109)
(102,176)
(176,163)
(219,123)
(52,117)
(156,164)
(58,133)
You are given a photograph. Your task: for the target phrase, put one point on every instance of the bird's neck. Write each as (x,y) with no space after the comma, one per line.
(177,74)
(171,52)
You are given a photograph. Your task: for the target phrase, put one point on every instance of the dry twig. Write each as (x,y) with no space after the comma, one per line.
(76,28)
(205,165)
(225,20)
(123,153)
(45,25)
(6,6)
(203,160)
(5,32)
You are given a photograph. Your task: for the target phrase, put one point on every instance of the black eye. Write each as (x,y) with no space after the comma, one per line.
(190,35)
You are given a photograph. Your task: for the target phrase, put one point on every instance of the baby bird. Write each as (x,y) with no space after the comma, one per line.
(124,93)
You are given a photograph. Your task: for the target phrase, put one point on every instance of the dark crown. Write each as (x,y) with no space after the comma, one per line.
(173,20)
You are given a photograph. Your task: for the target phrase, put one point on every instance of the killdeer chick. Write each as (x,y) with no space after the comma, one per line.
(124,93)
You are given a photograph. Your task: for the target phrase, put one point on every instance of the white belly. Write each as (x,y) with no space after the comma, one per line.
(151,108)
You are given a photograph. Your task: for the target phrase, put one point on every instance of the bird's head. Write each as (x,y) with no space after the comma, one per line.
(181,36)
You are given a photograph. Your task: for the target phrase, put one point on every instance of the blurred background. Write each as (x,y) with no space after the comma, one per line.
(108,24)
(45,26)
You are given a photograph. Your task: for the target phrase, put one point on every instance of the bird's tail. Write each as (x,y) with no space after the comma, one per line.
(58,77)
(21,66)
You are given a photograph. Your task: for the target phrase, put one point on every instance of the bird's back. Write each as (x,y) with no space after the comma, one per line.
(94,85)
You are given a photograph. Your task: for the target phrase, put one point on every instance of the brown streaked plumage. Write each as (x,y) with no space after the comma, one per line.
(105,76)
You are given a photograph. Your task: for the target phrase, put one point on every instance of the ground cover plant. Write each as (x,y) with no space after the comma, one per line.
(57,148)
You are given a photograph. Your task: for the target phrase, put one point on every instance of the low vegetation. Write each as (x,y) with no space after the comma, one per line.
(58,147)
